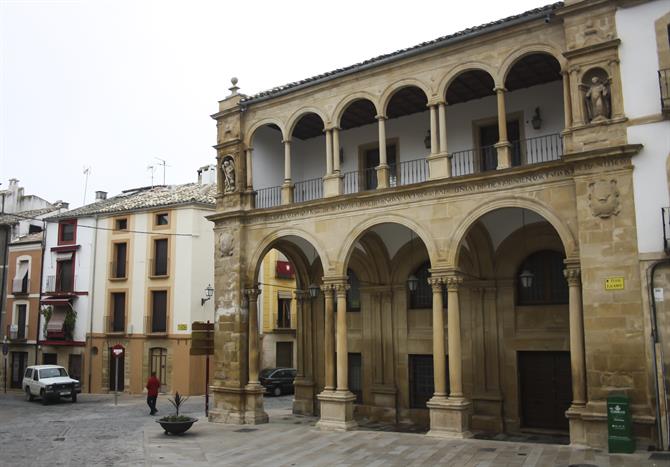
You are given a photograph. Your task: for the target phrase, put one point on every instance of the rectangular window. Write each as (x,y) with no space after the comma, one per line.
(159,311)
(283,313)
(421,380)
(21,279)
(162,219)
(119,264)
(65,275)
(21,319)
(160,257)
(284,270)
(117,321)
(356,376)
(49,359)
(121,224)
(67,232)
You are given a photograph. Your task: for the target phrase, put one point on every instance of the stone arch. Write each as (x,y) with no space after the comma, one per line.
(460,69)
(267,243)
(298,114)
(406,261)
(347,247)
(249,136)
(391,90)
(341,107)
(524,51)
(566,235)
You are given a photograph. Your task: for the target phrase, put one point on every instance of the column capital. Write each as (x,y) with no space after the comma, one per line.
(250,148)
(574,69)
(436,283)
(499,89)
(341,288)
(453,282)
(442,102)
(252,293)
(572,275)
(301,295)
(432,104)
(286,141)
(325,288)
(381,117)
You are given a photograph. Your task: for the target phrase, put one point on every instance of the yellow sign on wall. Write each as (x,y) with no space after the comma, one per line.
(614,283)
(182,327)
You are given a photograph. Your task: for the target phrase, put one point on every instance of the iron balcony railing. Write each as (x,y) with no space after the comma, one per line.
(542,148)
(117,270)
(463,162)
(268,197)
(115,324)
(62,285)
(16,332)
(350,182)
(156,323)
(308,190)
(664,84)
(21,286)
(409,172)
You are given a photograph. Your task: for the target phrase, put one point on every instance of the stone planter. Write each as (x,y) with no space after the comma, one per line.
(177,427)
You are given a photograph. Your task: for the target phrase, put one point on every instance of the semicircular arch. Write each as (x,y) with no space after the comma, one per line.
(392,89)
(341,106)
(461,68)
(524,51)
(249,137)
(566,235)
(298,114)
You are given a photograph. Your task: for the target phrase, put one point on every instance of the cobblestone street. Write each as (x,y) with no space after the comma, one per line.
(96,432)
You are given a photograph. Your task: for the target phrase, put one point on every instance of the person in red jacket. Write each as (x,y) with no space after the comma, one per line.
(153,384)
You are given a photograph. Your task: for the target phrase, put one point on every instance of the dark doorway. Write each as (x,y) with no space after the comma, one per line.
(372,161)
(422,380)
(158,362)
(545,384)
(112,371)
(488,137)
(74,366)
(284,354)
(49,359)
(355,376)
(19,363)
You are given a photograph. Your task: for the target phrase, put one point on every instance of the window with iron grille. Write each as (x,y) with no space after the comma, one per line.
(548,286)
(422,297)
(118,320)
(422,380)
(159,311)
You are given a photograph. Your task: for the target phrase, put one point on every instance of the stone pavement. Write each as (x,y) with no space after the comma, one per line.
(95,432)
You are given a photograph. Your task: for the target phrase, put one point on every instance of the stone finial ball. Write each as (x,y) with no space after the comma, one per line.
(234,81)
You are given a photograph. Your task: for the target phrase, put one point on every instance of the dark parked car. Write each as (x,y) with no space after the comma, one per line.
(278,381)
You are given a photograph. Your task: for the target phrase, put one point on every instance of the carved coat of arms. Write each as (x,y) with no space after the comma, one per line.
(226,244)
(604,198)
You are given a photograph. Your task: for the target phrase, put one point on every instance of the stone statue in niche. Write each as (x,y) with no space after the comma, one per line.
(226,244)
(598,99)
(604,198)
(228,168)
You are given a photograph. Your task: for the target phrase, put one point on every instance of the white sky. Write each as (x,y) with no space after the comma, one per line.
(112,84)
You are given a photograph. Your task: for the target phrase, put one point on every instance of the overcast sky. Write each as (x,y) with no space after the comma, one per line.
(113,85)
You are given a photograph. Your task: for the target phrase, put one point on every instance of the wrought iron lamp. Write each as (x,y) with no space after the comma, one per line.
(209,291)
(526,277)
(313,290)
(412,280)
(536,121)
(426,140)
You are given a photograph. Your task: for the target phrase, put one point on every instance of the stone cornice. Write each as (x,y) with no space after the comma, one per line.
(592,48)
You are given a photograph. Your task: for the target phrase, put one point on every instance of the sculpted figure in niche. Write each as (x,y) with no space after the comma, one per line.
(598,99)
(228,168)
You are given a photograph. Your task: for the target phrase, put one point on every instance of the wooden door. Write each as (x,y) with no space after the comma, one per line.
(284,354)
(74,366)
(19,362)
(545,389)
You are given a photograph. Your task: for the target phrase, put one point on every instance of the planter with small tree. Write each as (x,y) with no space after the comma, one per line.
(176,424)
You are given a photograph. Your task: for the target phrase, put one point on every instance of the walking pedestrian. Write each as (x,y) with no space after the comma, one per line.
(153,384)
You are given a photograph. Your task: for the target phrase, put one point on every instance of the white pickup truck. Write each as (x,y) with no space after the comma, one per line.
(49,382)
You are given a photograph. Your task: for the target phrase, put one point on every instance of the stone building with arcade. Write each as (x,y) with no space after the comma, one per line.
(471,222)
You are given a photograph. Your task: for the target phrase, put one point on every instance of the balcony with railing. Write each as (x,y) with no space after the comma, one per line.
(115,324)
(17,333)
(664,85)
(156,324)
(117,270)
(63,285)
(21,286)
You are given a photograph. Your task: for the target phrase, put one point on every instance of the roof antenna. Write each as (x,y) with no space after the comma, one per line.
(163,163)
(86,172)
(151,168)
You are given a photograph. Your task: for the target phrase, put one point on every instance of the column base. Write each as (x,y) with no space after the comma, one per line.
(504,149)
(577,427)
(254,413)
(287,192)
(449,417)
(439,166)
(383,173)
(303,401)
(333,185)
(337,411)
(228,405)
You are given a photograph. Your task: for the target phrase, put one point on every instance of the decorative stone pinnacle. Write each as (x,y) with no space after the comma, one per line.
(233,89)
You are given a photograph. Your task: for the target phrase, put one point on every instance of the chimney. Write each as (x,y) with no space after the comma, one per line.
(13,182)
(61,204)
(100,195)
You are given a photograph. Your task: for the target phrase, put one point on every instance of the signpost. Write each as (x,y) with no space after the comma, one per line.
(5,351)
(117,352)
(202,343)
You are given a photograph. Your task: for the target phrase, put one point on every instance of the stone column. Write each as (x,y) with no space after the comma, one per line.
(439,163)
(383,170)
(250,179)
(576,97)
(451,417)
(303,399)
(615,89)
(332,181)
(439,359)
(300,297)
(287,186)
(337,407)
(567,104)
(577,355)
(329,338)
(329,152)
(503,145)
(254,413)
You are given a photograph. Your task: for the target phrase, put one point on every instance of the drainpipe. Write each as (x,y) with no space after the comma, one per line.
(5,265)
(39,306)
(91,297)
(660,388)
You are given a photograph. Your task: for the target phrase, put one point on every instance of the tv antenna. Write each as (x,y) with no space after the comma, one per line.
(86,172)
(164,164)
(151,168)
